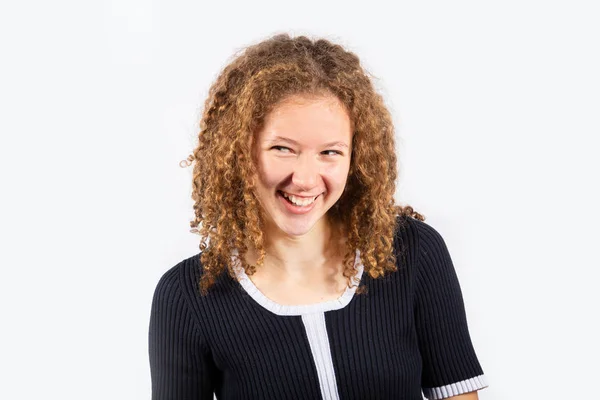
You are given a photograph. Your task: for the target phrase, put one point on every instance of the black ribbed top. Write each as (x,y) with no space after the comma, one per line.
(408,334)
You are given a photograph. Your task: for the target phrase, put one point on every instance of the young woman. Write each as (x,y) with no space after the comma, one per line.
(310,282)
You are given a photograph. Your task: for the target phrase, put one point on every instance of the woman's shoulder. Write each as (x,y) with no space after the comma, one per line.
(414,237)
(181,278)
(412,229)
(415,225)
(426,251)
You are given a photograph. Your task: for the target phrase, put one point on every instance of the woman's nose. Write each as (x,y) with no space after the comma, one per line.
(305,173)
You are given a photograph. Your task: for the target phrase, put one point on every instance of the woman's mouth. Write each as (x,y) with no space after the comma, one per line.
(297,205)
(298,201)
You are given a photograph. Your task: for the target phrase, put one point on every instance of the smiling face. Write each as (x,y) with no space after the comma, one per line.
(303,157)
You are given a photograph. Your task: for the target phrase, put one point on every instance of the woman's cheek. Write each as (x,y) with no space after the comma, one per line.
(336,173)
(273,170)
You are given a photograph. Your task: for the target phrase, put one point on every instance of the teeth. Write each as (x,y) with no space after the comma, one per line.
(299,201)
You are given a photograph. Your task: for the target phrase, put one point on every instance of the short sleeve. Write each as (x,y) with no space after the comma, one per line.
(180,363)
(450,365)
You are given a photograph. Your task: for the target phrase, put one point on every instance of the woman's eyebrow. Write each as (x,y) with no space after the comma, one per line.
(292,141)
(282,139)
(339,144)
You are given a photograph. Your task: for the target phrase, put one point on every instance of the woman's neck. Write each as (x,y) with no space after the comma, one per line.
(301,255)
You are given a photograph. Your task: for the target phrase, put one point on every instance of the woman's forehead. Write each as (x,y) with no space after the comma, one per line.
(325,99)
(312,120)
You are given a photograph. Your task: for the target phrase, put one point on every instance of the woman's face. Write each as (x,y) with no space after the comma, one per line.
(303,154)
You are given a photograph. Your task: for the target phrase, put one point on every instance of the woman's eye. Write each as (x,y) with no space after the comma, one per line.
(332,152)
(282,149)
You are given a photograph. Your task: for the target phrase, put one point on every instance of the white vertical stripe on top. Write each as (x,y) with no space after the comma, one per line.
(319,346)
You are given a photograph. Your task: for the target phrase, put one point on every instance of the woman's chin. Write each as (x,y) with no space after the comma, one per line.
(295,229)
(297,226)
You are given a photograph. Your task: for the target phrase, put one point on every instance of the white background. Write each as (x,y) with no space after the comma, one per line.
(496,107)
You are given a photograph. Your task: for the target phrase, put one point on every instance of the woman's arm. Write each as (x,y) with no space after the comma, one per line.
(181,365)
(465,396)
(450,365)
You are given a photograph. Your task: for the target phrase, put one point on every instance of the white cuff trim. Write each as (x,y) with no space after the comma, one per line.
(454,389)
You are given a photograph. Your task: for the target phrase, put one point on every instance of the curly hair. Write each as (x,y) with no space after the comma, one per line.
(227,212)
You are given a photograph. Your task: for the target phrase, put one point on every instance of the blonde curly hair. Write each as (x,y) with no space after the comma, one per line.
(227,212)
